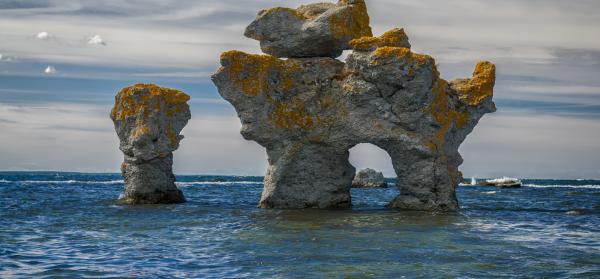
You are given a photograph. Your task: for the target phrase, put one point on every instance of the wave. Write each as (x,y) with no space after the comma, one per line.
(62,181)
(590,186)
(216,183)
(121,182)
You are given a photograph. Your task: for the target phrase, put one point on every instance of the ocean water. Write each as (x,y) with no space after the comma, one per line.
(68,225)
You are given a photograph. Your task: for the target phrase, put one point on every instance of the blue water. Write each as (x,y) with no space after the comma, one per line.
(68,225)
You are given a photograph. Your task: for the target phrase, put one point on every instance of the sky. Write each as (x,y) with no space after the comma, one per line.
(62,62)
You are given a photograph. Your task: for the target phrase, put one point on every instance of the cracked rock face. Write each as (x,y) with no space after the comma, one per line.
(315,30)
(308,112)
(369,178)
(148,120)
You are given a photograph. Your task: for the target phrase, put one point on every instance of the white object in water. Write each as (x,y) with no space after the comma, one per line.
(503,182)
(473,181)
(50,70)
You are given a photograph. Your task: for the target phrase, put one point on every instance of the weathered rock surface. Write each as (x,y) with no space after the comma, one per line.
(308,112)
(148,120)
(369,178)
(314,30)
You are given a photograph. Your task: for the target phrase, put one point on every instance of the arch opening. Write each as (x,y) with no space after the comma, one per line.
(367,155)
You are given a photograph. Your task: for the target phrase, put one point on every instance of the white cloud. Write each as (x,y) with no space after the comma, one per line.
(549,89)
(185,40)
(43,36)
(50,70)
(96,40)
(515,144)
(59,136)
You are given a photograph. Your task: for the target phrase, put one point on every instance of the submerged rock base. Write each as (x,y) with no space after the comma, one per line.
(309,111)
(148,120)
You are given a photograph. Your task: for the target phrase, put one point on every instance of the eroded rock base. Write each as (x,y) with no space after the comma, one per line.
(307,176)
(150,182)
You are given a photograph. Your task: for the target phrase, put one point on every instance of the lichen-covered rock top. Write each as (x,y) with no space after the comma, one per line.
(369,178)
(316,30)
(476,90)
(148,120)
(393,38)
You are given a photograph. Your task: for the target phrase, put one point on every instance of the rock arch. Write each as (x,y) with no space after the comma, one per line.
(308,110)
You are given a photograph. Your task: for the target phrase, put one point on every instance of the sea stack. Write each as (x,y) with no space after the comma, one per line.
(309,109)
(369,178)
(148,120)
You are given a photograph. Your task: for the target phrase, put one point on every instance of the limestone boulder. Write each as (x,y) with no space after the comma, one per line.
(315,30)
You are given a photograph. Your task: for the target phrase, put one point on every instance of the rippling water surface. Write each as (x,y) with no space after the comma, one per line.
(68,225)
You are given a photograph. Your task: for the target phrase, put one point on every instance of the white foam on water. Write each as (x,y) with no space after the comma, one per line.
(489,192)
(563,186)
(66,182)
(121,182)
(216,183)
(503,180)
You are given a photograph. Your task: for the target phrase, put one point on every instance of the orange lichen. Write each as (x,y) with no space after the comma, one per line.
(400,53)
(250,72)
(291,115)
(352,22)
(140,131)
(443,115)
(140,99)
(392,38)
(480,87)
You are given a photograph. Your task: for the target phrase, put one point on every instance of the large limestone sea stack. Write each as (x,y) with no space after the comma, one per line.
(308,110)
(148,120)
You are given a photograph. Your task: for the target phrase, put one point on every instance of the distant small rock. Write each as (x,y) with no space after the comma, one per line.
(219,179)
(369,178)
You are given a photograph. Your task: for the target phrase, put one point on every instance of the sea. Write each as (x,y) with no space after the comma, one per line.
(69,225)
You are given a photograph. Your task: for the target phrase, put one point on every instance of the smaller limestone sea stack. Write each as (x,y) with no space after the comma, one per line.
(369,178)
(148,120)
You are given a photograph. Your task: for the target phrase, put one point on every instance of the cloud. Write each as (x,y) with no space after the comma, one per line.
(43,35)
(96,40)
(50,70)
(0,56)
(515,144)
(547,64)
(23,4)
